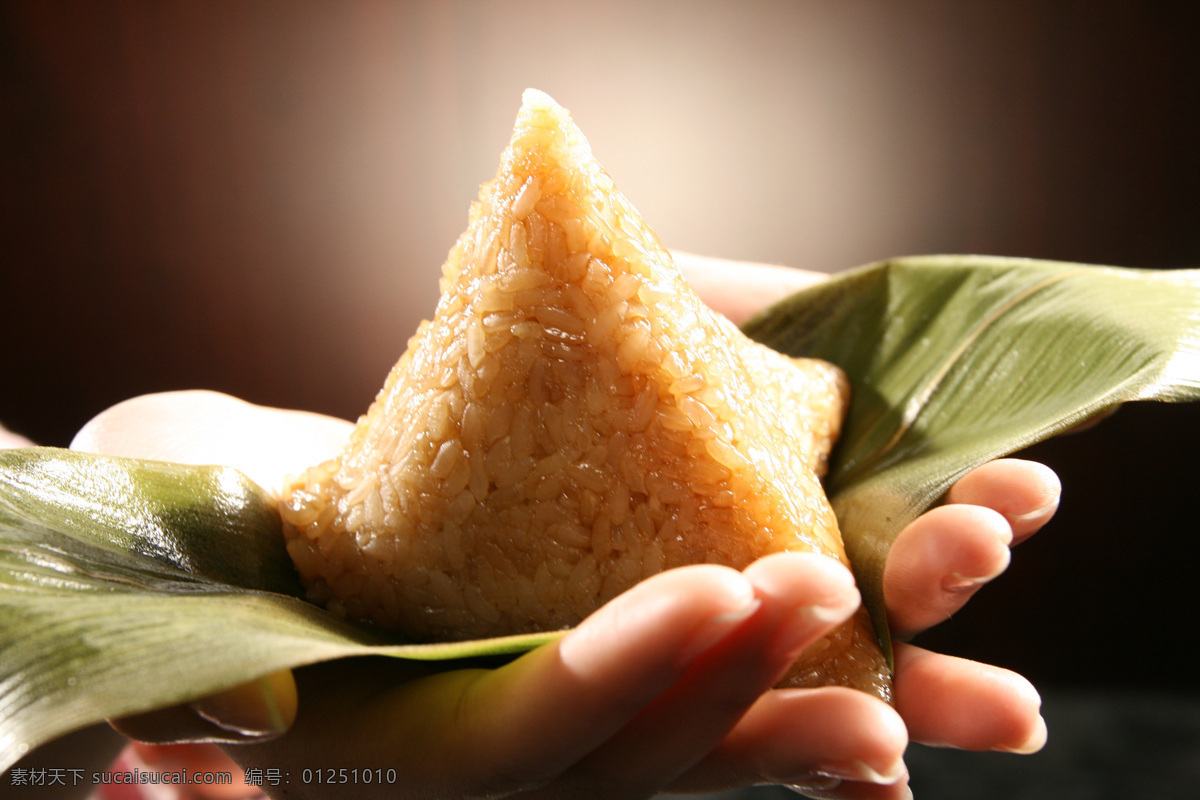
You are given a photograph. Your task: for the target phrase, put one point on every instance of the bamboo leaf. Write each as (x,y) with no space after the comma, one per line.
(957,360)
(131,585)
(175,526)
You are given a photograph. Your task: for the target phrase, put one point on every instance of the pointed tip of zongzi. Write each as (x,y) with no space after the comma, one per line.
(572,421)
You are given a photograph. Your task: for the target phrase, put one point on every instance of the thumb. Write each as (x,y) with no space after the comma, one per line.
(258,710)
(201,427)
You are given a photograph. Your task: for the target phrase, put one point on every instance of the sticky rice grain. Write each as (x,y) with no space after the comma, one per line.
(572,421)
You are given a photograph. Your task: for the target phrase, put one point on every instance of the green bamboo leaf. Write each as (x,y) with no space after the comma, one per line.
(169,525)
(127,586)
(957,360)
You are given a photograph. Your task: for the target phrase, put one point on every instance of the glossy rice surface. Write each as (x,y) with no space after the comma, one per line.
(573,420)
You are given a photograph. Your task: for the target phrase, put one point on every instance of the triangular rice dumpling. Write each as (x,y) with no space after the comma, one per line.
(573,420)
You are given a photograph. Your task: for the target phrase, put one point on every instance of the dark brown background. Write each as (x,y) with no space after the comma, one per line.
(256,198)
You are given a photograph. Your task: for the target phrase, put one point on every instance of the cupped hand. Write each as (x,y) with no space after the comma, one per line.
(936,563)
(666,688)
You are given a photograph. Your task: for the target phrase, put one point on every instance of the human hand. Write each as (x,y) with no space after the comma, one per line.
(9,439)
(935,564)
(632,702)
(626,696)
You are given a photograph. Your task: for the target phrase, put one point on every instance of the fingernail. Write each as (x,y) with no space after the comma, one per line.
(1035,742)
(858,770)
(262,707)
(798,629)
(1044,511)
(959,584)
(713,631)
(816,783)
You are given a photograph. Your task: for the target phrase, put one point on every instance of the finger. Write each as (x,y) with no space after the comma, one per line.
(528,721)
(953,702)
(1093,420)
(855,790)
(802,597)
(601,685)
(740,289)
(940,560)
(176,724)
(848,790)
(1025,492)
(201,427)
(8,439)
(260,709)
(817,740)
